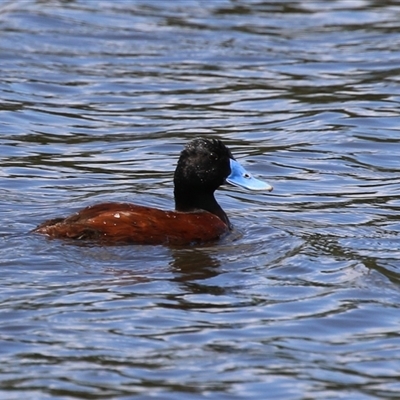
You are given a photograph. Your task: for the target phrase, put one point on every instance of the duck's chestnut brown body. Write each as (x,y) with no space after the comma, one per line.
(203,166)
(130,223)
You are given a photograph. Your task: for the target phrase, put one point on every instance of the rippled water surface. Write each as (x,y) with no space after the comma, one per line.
(97,99)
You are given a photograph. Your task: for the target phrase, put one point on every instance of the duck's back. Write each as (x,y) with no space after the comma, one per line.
(130,223)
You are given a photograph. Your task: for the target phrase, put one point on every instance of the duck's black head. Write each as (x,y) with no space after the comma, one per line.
(203,166)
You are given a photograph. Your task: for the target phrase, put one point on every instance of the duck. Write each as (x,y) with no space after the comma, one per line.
(203,166)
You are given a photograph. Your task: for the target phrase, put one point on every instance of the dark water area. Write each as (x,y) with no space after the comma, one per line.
(97,99)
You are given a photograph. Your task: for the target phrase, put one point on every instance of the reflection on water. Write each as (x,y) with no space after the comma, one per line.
(96,104)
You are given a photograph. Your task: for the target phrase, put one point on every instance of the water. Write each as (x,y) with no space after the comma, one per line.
(302,302)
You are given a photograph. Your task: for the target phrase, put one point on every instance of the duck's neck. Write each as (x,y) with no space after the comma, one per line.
(188,201)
